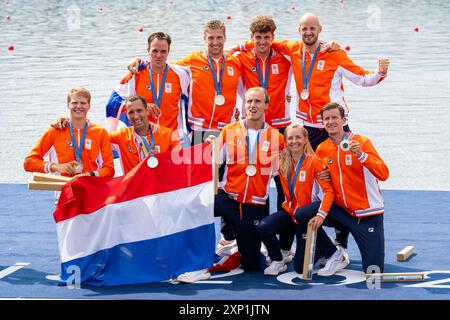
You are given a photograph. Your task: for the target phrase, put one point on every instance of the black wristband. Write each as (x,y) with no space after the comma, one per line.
(92,173)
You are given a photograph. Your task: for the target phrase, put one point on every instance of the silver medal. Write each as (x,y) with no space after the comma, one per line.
(250,170)
(219,100)
(304,94)
(79,167)
(345,145)
(152,162)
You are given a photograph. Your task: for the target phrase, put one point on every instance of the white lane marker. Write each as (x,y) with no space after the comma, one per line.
(6,272)
(53,277)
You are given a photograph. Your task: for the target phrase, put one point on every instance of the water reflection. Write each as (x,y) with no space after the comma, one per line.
(60,44)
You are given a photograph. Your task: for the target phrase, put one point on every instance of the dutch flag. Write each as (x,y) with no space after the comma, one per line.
(150,225)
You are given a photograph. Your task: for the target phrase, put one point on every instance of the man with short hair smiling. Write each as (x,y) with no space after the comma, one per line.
(81,149)
(143,137)
(267,68)
(215,77)
(163,85)
(355,169)
(318,75)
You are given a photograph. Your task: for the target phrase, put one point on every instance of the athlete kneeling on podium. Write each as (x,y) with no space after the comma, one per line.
(355,173)
(249,148)
(299,172)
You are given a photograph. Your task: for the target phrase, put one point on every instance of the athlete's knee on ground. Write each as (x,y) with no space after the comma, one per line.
(263,229)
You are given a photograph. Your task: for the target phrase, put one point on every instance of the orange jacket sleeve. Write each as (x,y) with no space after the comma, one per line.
(107,169)
(34,162)
(185,61)
(114,136)
(372,160)
(326,187)
(284,46)
(174,140)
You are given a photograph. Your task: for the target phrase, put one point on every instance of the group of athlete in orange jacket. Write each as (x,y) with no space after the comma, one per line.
(323,171)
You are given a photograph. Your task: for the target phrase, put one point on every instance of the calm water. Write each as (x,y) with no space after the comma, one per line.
(60,44)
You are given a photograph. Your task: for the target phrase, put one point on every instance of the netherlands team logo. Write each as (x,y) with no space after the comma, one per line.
(275,69)
(320,65)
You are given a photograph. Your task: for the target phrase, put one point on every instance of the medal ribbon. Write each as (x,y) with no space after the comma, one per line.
(157,98)
(305,79)
(148,148)
(78,150)
(345,136)
(252,151)
(217,84)
(291,183)
(263,82)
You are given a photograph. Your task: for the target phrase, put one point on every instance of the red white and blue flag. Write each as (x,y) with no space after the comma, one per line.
(150,225)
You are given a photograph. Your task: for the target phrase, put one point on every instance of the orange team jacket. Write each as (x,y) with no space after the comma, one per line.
(203,113)
(278,114)
(172,105)
(129,145)
(235,182)
(306,188)
(57,146)
(355,180)
(325,84)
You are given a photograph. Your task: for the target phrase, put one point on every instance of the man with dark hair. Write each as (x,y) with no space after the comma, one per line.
(143,137)
(215,88)
(163,85)
(267,68)
(355,169)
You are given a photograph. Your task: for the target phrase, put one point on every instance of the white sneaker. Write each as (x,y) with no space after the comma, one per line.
(336,262)
(344,252)
(226,248)
(275,268)
(287,256)
(323,261)
(194,276)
